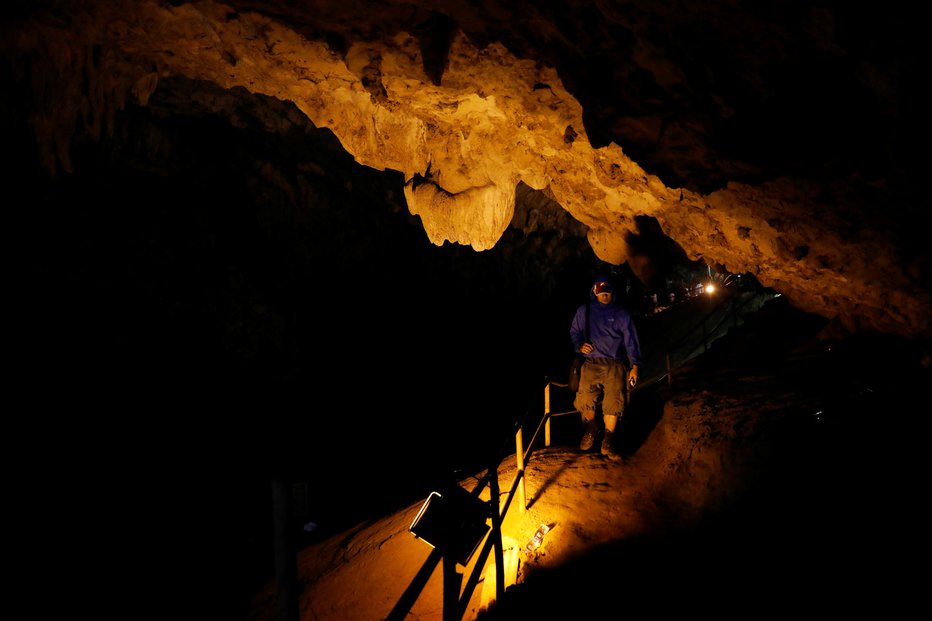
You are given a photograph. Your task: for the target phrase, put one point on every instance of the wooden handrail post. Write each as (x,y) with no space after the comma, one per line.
(519,456)
(547,414)
(452,583)
(494,493)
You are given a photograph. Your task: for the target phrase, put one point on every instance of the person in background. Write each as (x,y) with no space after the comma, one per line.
(613,353)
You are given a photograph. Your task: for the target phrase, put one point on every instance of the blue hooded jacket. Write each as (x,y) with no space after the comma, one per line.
(611,330)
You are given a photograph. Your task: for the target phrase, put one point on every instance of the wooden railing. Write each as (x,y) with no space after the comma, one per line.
(456,598)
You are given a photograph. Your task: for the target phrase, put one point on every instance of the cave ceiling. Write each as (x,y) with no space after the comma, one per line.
(778,139)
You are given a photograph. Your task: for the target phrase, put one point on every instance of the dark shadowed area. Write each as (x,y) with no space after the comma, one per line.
(333,249)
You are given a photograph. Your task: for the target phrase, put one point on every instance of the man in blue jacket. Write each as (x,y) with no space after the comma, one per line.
(604,331)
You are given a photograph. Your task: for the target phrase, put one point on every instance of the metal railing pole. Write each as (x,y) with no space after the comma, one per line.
(547,414)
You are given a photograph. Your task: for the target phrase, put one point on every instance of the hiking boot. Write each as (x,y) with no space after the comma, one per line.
(607,449)
(588,438)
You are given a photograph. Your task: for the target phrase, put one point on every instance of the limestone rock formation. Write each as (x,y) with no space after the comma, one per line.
(771,139)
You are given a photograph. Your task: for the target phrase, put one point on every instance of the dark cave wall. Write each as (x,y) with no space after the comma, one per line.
(202,305)
(174,261)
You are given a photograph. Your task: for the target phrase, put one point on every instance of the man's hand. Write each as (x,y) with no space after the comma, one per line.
(586,348)
(633,376)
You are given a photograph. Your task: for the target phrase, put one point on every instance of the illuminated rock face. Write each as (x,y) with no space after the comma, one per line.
(685,115)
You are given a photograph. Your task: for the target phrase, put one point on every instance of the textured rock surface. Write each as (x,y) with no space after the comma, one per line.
(772,140)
